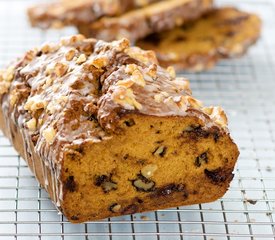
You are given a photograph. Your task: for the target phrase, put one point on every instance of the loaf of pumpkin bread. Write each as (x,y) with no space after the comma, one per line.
(108,132)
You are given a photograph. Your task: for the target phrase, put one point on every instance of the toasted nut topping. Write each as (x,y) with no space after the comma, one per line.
(72,39)
(137,77)
(194,102)
(7,75)
(4,87)
(207,110)
(126,98)
(171,71)
(182,84)
(152,71)
(99,62)
(148,171)
(125,83)
(130,68)
(60,69)
(70,55)
(81,59)
(49,134)
(31,124)
(34,103)
(219,116)
(122,44)
(48,83)
(181,102)
(46,48)
(13,99)
(57,104)
(159,98)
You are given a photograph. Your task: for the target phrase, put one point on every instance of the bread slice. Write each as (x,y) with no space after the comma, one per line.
(154,18)
(66,12)
(108,132)
(221,33)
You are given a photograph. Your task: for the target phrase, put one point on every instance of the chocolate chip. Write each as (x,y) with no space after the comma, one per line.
(74,218)
(201,159)
(139,201)
(70,184)
(106,183)
(216,136)
(100,179)
(218,175)
(230,34)
(180,39)
(169,189)
(154,38)
(129,123)
(131,209)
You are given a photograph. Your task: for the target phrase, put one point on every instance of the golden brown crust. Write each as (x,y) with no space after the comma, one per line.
(221,33)
(63,12)
(154,18)
(77,110)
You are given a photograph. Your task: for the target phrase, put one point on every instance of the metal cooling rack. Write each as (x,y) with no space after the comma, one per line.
(244,87)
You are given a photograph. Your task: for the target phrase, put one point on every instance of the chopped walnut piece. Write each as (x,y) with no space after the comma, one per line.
(31,124)
(122,44)
(57,104)
(81,59)
(181,102)
(152,70)
(60,69)
(46,48)
(49,134)
(138,78)
(34,103)
(130,68)
(70,55)
(125,83)
(159,98)
(126,98)
(72,39)
(171,71)
(4,87)
(48,83)
(182,84)
(194,102)
(219,116)
(13,99)
(99,62)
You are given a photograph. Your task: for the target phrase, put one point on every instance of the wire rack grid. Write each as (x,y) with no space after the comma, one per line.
(244,87)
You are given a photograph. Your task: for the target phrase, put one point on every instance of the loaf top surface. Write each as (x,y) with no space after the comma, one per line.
(63,12)
(76,91)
